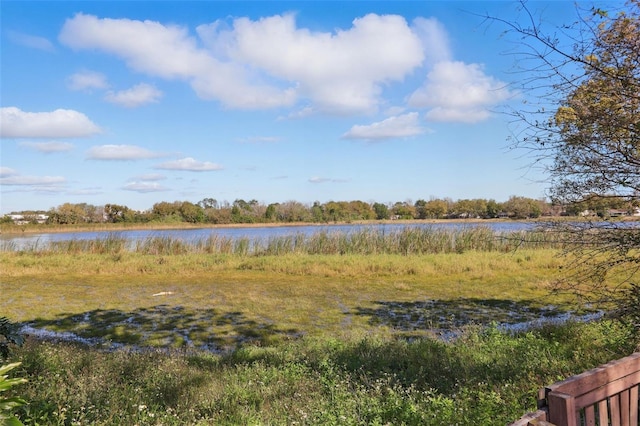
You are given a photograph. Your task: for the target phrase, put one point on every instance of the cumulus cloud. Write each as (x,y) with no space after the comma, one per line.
(87,80)
(61,123)
(266,63)
(48,147)
(455,91)
(189,164)
(168,51)
(400,126)
(120,153)
(144,187)
(138,95)
(31,41)
(340,71)
(272,62)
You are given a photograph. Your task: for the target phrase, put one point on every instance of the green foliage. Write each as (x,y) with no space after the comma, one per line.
(483,377)
(9,404)
(9,334)
(628,307)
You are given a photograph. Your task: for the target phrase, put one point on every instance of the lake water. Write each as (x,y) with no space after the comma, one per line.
(19,242)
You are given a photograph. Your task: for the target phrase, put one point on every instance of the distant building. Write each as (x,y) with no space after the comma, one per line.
(21,219)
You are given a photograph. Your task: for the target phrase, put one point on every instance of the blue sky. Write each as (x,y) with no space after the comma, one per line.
(139,102)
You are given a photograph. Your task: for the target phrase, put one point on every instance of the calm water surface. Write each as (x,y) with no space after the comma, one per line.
(254,233)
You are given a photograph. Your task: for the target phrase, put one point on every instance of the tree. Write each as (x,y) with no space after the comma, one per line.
(522,207)
(293,211)
(68,213)
(271,213)
(404,210)
(493,209)
(381,211)
(584,131)
(436,209)
(117,213)
(208,203)
(167,212)
(192,213)
(317,212)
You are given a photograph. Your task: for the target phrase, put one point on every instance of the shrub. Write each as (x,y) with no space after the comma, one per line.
(9,334)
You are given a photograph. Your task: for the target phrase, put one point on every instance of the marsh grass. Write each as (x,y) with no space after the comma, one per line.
(484,377)
(217,301)
(367,241)
(325,329)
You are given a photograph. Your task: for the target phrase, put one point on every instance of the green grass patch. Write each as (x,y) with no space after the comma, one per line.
(222,300)
(484,377)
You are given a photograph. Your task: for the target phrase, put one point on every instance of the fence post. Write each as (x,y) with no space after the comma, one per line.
(562,409)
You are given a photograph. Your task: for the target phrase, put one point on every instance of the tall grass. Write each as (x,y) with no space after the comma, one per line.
(408,241)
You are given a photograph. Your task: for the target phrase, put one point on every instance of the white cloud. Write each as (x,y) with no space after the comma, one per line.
(120,153)
(400,126)
(455,91)
(170,52)
(32,180)
(150,177)
(6,171)
(340,71)
(61,123)
(434,38)
(318,179)
(87,191)
(138,95)
(189,164)
(34,42)
(87,80)
(266,63)
(48,147)
(144,187)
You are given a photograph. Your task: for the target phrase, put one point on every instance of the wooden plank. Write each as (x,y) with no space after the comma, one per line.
(562,409)
(590,416)
(624,408)
(608,389)
(527,419)
(614,409)
(598,376)
(540,423)
(633,405)
(542,398)
(603,413)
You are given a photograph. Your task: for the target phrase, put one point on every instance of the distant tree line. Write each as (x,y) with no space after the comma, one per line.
(212,211)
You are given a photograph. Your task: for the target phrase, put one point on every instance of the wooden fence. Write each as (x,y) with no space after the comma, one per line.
(606,395)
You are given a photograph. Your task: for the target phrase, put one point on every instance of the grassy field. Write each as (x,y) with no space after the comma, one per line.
(225,299)
(321,332)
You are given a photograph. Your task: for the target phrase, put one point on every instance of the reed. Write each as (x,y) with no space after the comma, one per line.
(407,241)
